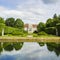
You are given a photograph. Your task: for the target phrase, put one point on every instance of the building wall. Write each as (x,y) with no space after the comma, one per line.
(30,28)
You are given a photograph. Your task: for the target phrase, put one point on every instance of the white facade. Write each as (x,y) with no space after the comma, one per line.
(30,28)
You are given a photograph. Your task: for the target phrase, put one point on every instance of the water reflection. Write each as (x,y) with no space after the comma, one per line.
(1,49)
(41,43)
(30,51)
(10,46)
(52,47)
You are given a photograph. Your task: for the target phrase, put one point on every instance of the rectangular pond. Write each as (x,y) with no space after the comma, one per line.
(29,51)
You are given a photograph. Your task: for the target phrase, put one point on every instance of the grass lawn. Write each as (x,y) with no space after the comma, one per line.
(42,38)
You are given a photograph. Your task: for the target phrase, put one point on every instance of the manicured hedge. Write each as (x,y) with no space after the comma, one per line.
(42,33)
(13,31)
(51,30)
(8,30)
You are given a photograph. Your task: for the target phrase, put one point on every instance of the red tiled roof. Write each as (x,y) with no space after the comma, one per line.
(33,25)
(26,25)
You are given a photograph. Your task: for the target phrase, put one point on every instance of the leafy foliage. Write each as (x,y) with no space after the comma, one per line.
(51,30)
(2,20)
(18,45)
(8,46)
(58,28)
(42,33)
(51,25)
(19,23)
(49,22)
(10,22)
(41,27)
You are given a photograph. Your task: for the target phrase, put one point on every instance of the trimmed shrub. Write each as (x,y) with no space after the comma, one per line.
(17,33)
(42,33)
(13,31)
(8,30)
(35,35)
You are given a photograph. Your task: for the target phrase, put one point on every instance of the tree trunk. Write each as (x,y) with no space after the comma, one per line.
(3,32)
(56,32)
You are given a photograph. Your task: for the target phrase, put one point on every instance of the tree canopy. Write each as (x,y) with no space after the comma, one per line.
(10,22)
(11,26)
(41,27)
(1,20)
(19,23)
(51,26)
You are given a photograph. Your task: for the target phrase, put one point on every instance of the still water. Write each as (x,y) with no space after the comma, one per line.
(30,51)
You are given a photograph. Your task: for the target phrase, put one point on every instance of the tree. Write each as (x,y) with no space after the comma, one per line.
(19,23)
(55,15)
(59,18)
(49,23)
(2,29)
(10,22)
(2,25)
(55,20)
(41,27)
(52,22)
(1,20)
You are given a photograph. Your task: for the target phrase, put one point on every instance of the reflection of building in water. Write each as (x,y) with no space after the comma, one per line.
(30,28)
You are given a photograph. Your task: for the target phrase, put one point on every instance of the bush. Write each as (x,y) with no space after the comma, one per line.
(17,33)
(42,33)
(13,31)
(35,35)
(8,30)
(51,30)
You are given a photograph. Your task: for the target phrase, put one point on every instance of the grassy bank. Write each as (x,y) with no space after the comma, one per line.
(29,39)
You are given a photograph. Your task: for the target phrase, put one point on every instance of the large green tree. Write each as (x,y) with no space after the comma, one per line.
(10,22)
(53,22)
(2,25)
(41,27)
(1,20)
(19,23)
(49,22)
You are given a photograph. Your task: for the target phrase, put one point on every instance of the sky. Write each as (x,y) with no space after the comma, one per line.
(30,11)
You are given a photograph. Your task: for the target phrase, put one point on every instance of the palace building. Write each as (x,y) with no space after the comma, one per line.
(30,28)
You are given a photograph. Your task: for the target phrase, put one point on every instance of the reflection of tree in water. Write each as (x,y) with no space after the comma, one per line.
(18,45)
(1,49)
(41,43)
(10,46)
(54,47)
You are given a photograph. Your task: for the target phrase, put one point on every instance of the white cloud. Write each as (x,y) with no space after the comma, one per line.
(4,12)
(31,11)
(49,1)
